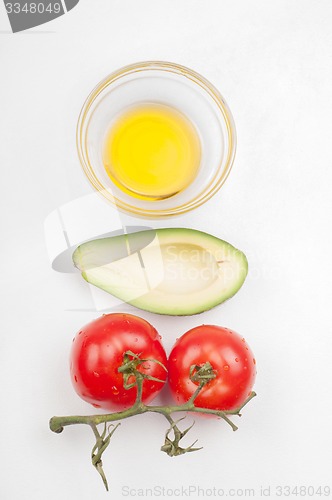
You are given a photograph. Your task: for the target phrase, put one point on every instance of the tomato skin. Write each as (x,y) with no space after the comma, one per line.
(230,357)
(97,353)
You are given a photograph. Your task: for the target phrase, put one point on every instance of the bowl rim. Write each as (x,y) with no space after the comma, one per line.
(170,67)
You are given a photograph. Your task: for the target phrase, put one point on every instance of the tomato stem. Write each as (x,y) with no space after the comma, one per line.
(102,442)
(58,423)
(201,374)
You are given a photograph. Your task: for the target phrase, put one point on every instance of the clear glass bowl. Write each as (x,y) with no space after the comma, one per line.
(169,84)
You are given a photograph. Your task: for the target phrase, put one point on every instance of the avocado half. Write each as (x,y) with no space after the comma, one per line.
(174,271)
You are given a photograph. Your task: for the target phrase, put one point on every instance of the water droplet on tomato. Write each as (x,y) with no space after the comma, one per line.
(237,360)
(75,378)
(115,390)
(244,367)
(96,374)
(243,339)
(136,339)
(226,367)
(95,405)
(254,361)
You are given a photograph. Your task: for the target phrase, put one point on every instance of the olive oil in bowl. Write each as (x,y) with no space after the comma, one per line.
(152,152)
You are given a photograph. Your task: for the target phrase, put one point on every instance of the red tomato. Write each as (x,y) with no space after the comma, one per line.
(97,353)
(231,359)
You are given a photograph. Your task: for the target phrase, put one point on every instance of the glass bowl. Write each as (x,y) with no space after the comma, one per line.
(172,85)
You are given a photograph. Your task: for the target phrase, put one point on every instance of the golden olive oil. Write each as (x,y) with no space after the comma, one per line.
(152,151)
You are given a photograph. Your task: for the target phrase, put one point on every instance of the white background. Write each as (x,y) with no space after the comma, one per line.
(272,61)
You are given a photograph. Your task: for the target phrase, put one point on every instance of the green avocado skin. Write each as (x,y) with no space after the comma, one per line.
(172,271)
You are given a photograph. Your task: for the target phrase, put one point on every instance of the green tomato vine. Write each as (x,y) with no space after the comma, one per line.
(200,374)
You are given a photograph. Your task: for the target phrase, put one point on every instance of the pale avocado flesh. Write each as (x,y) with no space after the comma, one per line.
(174,271)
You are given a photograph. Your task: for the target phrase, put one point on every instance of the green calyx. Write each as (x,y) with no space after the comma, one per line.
(202,374)
(129,369)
